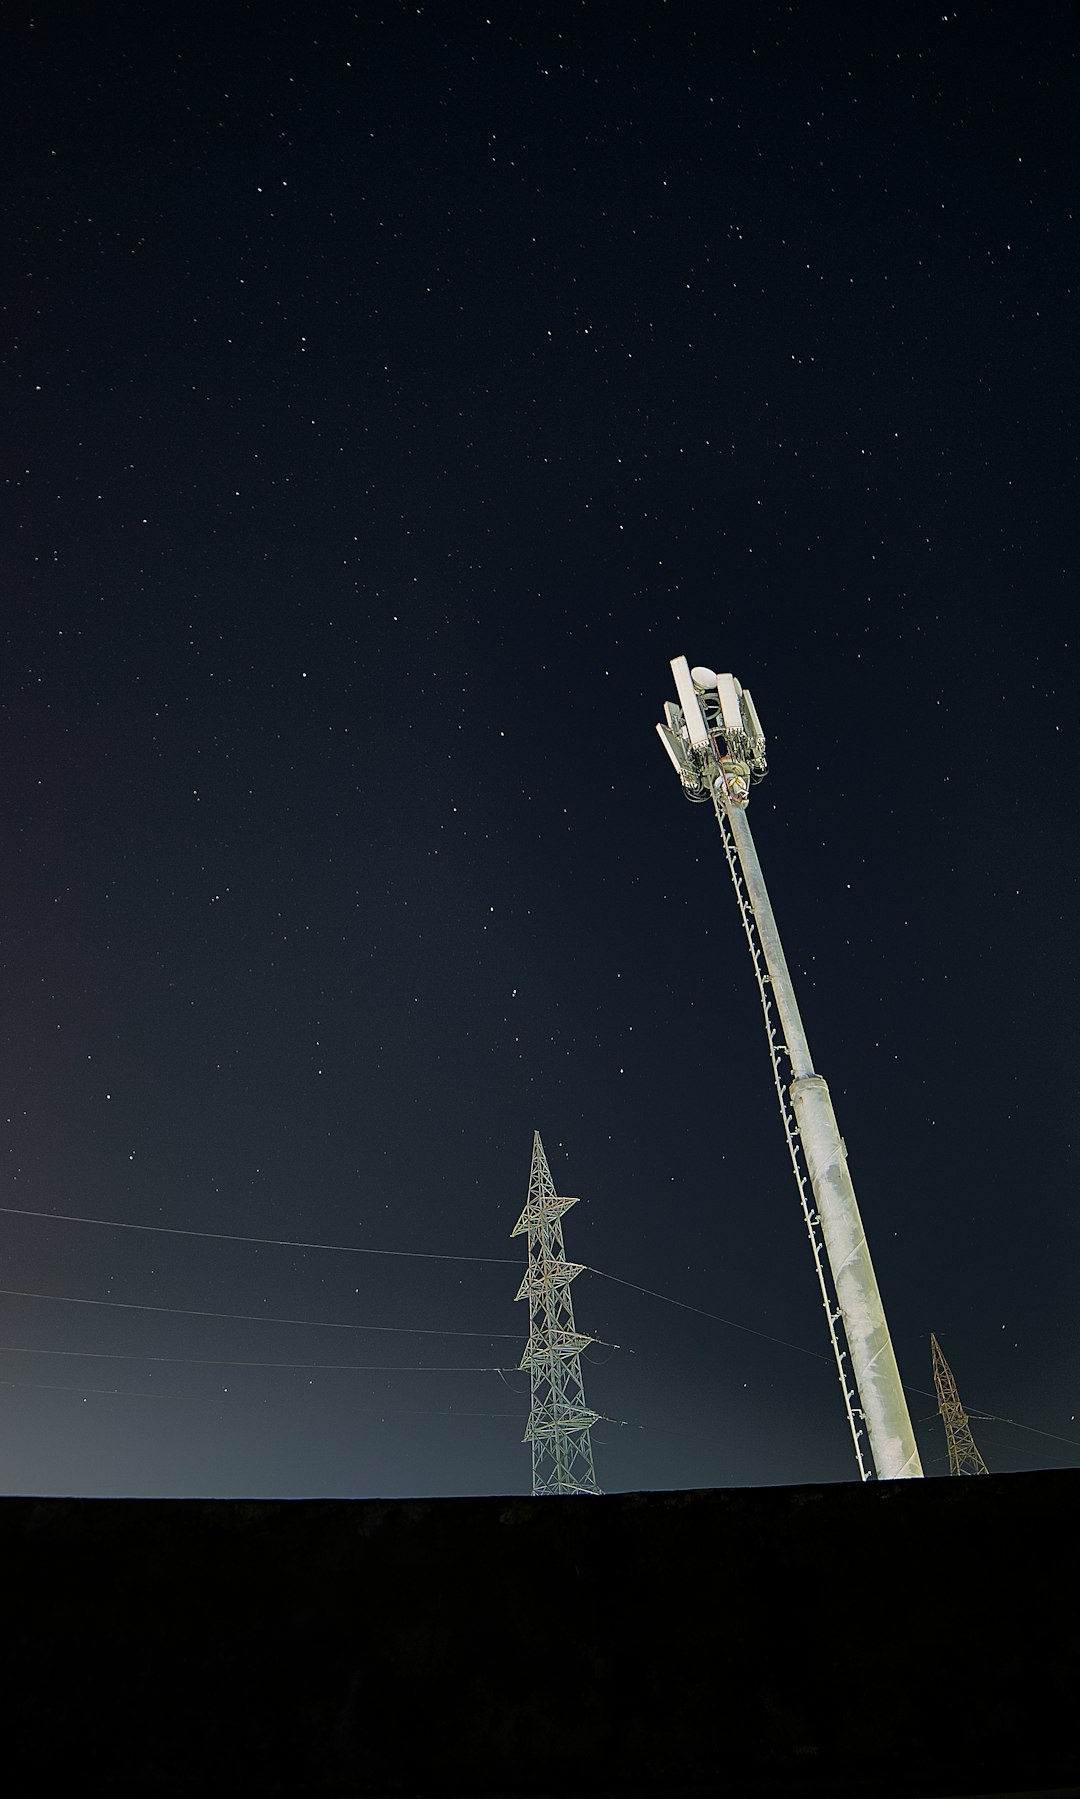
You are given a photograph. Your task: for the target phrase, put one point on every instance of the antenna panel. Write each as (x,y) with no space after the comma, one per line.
(729,706)
(666,737)
(753,721)
(695,724)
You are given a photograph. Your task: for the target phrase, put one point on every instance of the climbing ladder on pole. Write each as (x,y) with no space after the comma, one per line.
(777,1049)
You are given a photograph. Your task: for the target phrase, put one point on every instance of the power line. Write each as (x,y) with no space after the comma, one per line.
(218,1398)
(715,1316)
(326,1324)
(198,1361)
(989,1418)
(172,1230)
(43,1386)
(413,1255)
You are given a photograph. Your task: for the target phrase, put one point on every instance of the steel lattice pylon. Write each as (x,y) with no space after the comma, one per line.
(560,1421)
(964,1457)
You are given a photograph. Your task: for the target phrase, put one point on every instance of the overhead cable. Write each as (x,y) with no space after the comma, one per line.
(325,1324)
(200,1361)
(172,1230)
(748,1329)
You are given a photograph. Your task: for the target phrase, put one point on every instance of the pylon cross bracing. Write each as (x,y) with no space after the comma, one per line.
(559,1420)
(964,1457)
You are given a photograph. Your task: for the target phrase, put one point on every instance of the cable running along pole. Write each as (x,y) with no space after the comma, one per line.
(714,740)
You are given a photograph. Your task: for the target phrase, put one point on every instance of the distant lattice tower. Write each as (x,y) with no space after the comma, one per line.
(560,1421)
(964,1457)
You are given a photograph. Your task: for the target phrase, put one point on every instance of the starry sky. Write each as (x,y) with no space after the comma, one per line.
(390,392)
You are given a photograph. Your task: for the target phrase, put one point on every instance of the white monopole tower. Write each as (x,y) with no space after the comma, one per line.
(714,739)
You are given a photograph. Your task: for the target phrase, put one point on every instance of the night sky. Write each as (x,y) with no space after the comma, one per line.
(390,391)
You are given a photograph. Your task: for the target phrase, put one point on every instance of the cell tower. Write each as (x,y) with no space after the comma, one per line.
(715,742)
(560,1421)
(964,1457)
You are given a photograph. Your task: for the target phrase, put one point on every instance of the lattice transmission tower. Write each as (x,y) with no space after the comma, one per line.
(964,1457)
(559,1421)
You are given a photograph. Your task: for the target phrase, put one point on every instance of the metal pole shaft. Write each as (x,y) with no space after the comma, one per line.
(783,991)
(873,1363)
